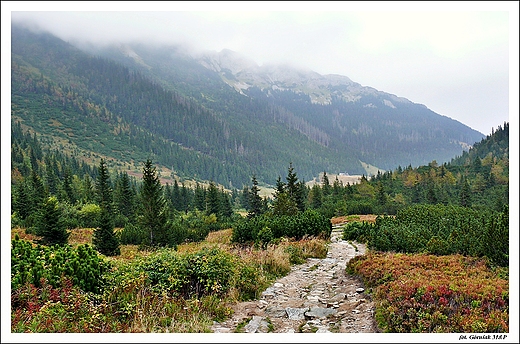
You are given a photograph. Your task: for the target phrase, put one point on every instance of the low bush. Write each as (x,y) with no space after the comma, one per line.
(438,229)
(428,293)
(307,223)
(29,264)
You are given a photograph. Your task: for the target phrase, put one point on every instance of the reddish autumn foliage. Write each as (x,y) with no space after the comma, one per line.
(428,293)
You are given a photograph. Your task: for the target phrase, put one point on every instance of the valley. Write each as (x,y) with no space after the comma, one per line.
(154,191)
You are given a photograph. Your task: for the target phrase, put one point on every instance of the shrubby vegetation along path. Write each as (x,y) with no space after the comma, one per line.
(317,296)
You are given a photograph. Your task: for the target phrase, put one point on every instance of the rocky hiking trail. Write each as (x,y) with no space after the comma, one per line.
(317,296)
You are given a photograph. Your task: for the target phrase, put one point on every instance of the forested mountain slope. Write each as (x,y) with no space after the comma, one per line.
(162,104)
(378,128)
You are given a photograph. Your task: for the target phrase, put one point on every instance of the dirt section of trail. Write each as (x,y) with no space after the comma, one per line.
(315,297)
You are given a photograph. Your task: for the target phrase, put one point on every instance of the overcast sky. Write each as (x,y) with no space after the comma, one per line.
(453,58)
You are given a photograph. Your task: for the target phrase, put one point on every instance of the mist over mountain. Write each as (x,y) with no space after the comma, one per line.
(218,115)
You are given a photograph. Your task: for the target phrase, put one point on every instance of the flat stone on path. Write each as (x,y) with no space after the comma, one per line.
(319,312)
(296,313)
(338,298)
(255,324)
(275,312)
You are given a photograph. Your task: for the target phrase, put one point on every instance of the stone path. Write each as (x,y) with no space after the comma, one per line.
(317,296)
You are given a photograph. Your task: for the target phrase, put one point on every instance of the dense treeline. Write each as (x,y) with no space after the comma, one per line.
(478,179)
(286,217)
(52,192)
(401,132)
(190,213)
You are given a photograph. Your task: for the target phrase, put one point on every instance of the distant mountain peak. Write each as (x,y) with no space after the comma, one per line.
(226,61)
(243,73)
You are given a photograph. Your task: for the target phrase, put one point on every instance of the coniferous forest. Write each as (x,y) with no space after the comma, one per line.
(131,194)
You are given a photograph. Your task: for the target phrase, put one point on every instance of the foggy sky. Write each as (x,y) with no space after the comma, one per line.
(455,62)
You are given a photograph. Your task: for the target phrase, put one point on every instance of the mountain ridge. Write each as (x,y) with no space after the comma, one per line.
(253,131)
(284,77)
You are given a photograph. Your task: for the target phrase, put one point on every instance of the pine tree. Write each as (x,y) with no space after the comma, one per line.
(244,197)
(124,196)
(38,194)
(292,180)
(21,203)
(186,198)
(226,207)
(88,193)
(325,185)
(284,205)
(337,188)
(50,225)
(176,196)
(154,215)
(301,195)
(67,190)
(200,197)
(295,189)
(104,239)
(255,201)
(280,187)
(381,194)
(212,200)
(168,195)
(51,177)
(104,187)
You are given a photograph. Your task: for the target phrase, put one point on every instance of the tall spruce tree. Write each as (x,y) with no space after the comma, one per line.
(226,207)
(292,182)
(176,196)
(21,203)
(244,197)
(301,195)
(50,225)
(104,239)
(153,218)
(186,198)
(315,197)
(255,201)
(124,196)
(325,188)
(212,199)
(280,187)
(68,193)
(200,197)
(37,195)
(295,189)
(168,195)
